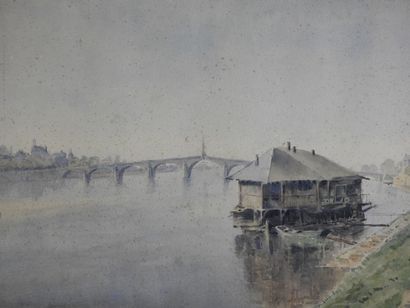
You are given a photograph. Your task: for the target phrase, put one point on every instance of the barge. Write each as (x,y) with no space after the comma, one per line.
(289,186)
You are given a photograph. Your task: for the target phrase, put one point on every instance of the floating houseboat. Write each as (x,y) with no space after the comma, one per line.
(289,186)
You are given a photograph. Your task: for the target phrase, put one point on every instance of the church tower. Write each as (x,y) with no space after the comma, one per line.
(203,154)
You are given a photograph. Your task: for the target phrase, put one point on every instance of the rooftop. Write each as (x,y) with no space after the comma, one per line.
(281,164)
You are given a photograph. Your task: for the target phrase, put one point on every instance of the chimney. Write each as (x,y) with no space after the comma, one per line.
(294,149)
(257,160)
(288,145)
(313,152)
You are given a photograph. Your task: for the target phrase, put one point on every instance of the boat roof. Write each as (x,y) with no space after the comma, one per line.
(280,164)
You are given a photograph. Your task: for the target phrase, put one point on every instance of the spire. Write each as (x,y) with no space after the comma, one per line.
(203,148)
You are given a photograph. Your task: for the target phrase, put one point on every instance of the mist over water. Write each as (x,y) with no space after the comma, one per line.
(150,244)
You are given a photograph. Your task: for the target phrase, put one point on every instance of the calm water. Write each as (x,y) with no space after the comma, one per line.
(143,244)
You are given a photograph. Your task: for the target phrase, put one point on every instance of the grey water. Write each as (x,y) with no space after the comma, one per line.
(167,243)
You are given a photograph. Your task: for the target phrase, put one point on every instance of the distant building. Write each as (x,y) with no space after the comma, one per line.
(71,158)
(403,178)
(4,150)
(5,153)
(20,156)
(39,152)
(106,160)
(93,160)
(289,186)
(406,161)
(60,159)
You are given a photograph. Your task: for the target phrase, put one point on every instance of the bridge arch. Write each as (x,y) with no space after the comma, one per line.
(153,168)
(76,172)
(88,173)
(189,166)
(66,174)
(120,171)
(228,168)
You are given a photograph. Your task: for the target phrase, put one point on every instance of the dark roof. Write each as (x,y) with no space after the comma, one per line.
(281,164)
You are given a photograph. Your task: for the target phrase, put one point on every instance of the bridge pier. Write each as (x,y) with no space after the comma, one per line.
(119,175)
(187,171)
(87,177)
(226,171)
(188,168)
(151,171)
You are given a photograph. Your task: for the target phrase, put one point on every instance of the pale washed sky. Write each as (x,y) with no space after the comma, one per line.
(144,78)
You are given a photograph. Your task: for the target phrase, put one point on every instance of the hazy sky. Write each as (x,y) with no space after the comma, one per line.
(144,78)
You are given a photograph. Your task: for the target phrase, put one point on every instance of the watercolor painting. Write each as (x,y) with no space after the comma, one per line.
(203,153)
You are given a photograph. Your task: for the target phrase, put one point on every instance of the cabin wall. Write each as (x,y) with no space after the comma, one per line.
(344,191)
(250,195)
(272,195)
(311,194)
(290,194)
(300,194)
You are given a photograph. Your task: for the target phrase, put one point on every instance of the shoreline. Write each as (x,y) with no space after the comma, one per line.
(353,259)
(354,256)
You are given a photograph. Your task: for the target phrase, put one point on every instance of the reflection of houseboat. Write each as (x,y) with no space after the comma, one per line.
(290,186)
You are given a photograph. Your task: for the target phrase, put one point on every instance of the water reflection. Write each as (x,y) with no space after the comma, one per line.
(153,244)
(282,275)
(29,189)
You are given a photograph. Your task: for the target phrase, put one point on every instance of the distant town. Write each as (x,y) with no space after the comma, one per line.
(389,171)
(40,158)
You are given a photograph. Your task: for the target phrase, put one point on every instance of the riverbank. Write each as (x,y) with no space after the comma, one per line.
(379,270)
(354,256)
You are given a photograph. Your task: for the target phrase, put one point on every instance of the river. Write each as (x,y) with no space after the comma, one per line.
(168,243)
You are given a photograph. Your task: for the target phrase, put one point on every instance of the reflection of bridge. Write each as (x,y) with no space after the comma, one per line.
(151,166)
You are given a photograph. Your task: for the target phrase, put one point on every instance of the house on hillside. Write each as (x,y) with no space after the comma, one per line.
(402,180)
(291,186)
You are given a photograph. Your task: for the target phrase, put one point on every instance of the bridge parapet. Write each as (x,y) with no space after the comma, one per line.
(187,163)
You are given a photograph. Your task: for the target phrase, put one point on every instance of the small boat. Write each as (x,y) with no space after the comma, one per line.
(313,237)
(299,237)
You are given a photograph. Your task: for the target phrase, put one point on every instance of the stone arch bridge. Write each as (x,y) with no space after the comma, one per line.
(152,166)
